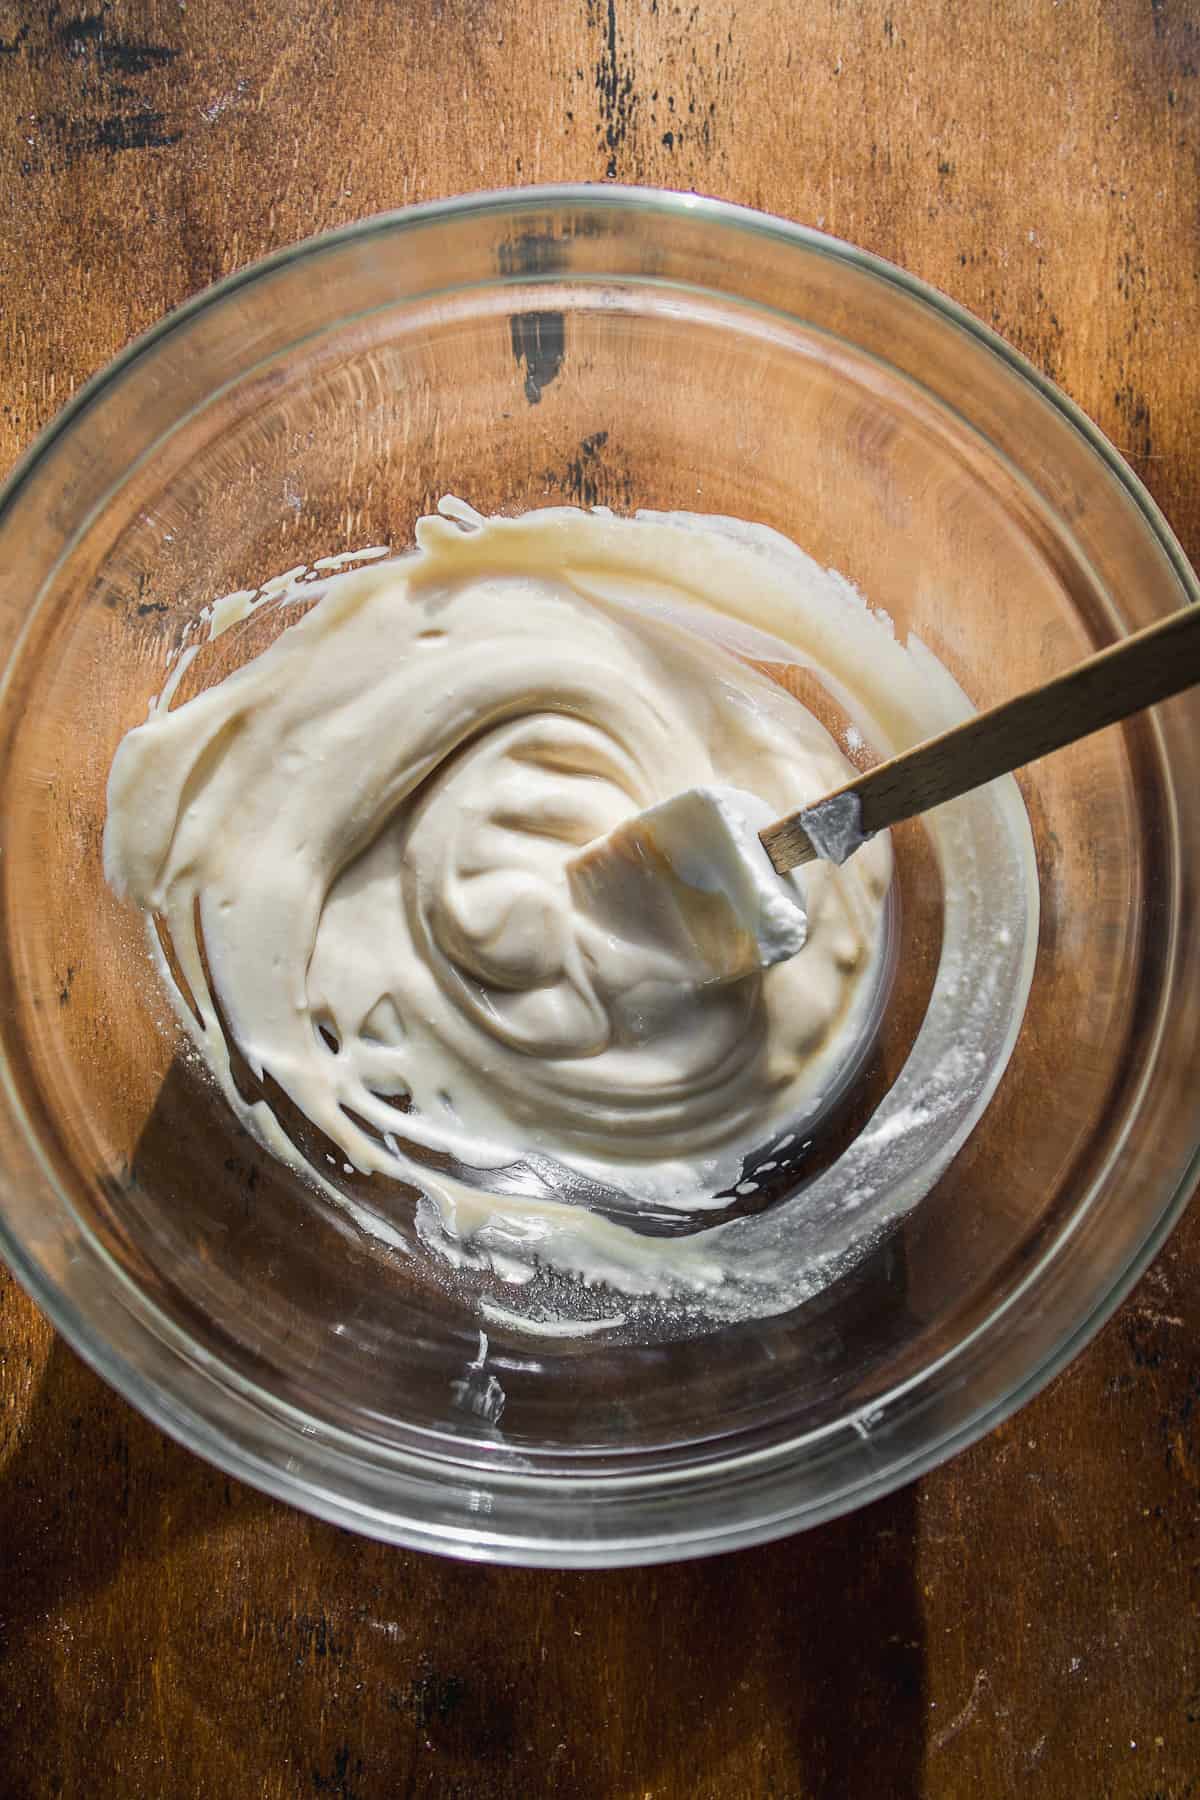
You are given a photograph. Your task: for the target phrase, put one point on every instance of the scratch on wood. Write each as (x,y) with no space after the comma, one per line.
(129,131)
(614,84)
(82,36)
(963,1718)
(539,342)
(538,338)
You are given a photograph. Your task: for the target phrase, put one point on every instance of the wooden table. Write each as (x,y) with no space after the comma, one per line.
(1026,1616)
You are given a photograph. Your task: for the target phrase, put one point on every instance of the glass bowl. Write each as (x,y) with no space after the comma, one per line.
(631,349)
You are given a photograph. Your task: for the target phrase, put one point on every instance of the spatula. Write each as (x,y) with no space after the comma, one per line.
(710,873)
(1148,666)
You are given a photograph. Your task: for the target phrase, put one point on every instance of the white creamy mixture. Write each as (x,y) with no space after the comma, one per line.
(372,824)
(694,870)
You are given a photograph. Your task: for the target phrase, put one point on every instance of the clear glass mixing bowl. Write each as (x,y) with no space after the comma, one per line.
(637,350)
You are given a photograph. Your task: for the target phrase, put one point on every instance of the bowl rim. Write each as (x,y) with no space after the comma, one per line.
(417,1482)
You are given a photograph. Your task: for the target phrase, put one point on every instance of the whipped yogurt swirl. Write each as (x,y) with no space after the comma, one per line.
(356,845)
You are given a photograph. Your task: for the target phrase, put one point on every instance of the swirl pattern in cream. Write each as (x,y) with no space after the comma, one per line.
(370,822)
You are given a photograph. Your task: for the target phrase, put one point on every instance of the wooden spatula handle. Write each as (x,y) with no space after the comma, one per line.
(1148,666)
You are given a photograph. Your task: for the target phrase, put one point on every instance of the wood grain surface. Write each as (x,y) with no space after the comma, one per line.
(1023,1618)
